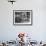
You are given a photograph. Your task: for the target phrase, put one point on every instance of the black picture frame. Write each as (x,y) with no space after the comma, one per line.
(15,12)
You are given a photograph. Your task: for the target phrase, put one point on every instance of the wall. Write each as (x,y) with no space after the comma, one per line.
(38,29)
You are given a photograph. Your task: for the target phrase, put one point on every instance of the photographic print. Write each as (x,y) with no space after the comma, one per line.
(22,17)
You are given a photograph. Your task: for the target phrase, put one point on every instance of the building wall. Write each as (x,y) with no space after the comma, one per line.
(38,29)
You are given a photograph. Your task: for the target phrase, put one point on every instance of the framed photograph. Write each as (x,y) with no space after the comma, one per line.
(22,17)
